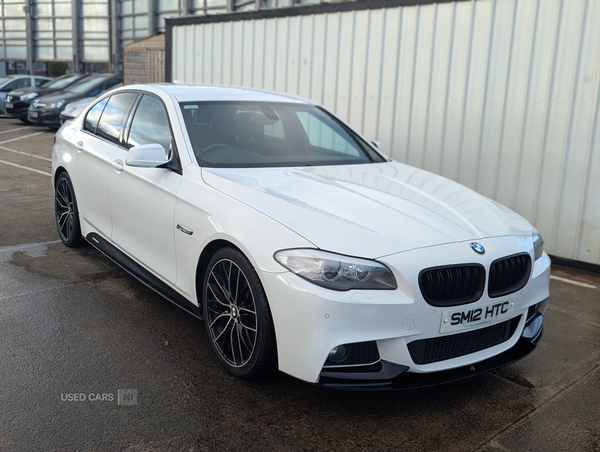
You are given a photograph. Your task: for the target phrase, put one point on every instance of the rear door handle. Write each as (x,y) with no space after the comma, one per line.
(79,146)
(118,165)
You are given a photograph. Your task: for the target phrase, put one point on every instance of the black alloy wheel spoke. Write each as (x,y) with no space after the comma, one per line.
(231,313)
(64,209)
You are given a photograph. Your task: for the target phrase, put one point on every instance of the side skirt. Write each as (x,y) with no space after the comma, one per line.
(141,274)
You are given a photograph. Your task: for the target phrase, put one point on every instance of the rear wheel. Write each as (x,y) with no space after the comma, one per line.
(237,316)
(67,215)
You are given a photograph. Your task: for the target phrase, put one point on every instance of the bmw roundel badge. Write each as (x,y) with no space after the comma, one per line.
(477,248)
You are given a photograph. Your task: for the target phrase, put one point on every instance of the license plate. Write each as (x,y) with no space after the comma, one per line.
(33,114)
(8,105)
(460,319)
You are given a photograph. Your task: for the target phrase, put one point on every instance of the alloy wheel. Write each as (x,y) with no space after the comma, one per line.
(231,313)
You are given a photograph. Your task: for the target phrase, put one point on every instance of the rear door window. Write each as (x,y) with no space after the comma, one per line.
(113,117)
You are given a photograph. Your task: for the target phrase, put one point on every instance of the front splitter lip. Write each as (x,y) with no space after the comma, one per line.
(394,376)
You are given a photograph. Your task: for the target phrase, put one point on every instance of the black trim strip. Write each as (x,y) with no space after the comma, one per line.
(141,274)
(587,266)
(300,10)
(377,376)
(294,11)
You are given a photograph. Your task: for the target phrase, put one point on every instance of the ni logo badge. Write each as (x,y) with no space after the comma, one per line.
(127,397)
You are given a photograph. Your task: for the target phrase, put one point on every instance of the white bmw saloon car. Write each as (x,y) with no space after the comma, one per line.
(299,243)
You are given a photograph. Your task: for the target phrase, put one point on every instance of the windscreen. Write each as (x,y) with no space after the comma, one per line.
(86,84)
(231,134)
(62,81)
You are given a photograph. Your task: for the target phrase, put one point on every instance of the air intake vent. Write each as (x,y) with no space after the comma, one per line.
(452,285)
(427,351)
(509,274)
(360,353)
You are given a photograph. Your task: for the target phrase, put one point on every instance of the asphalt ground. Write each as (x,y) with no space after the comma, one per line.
(92,360)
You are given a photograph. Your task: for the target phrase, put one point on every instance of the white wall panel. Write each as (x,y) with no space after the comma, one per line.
(500,95)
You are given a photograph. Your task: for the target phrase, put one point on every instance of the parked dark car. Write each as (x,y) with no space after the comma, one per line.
(10,83)
(18,101)
(73,109)
(45,111)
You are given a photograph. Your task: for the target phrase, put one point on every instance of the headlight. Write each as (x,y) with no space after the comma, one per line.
(29,96)
(58,105)
(538,246)
(335,271)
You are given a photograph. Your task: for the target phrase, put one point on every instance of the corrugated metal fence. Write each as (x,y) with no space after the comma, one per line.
(500,95)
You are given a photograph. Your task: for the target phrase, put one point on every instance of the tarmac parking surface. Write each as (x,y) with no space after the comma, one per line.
(92,360)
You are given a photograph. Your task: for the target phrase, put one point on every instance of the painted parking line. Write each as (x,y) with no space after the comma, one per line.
(15,130)
(22,137)
(575,283)
(25,153)
(26,168)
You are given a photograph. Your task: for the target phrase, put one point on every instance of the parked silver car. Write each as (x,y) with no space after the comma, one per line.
(12,82)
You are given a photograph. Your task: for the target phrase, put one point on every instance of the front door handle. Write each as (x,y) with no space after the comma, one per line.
(118,165)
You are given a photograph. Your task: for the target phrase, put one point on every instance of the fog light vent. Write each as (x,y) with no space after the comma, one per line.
(337,354)
(357,354)
(533,327)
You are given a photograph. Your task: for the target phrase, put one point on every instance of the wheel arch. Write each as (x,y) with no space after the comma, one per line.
(58,172)
(207,253)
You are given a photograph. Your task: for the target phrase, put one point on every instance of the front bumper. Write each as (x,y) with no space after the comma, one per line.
(44,117)
(18,109)
(311,321)
(390,376)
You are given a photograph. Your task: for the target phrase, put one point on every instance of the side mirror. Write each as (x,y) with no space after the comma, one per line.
(379,146)
(146,156)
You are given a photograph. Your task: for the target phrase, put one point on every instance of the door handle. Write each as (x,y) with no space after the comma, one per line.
(79,146)
(118,165)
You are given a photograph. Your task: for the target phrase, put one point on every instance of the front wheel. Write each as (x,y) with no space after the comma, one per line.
(67,215)
(237,316)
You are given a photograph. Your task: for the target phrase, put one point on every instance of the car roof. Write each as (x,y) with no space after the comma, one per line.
(18,76)
(194,93)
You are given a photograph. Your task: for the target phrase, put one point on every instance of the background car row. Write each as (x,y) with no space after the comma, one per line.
(16,82)
(50,102)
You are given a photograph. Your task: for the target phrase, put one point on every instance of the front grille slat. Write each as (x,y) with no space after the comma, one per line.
(427,351)
(452,285)
(509,274)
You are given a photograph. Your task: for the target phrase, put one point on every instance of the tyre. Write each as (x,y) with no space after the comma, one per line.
(25,120)
(67,215)
(237,316)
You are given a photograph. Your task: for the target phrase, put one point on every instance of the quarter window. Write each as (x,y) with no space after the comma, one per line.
(113,118)
(150,125)
(91,119)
